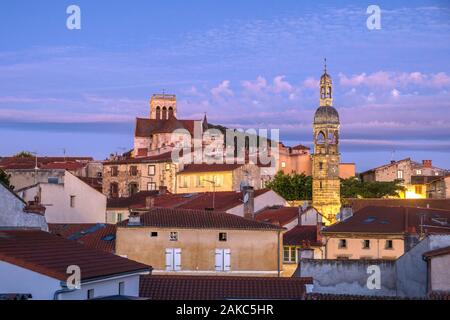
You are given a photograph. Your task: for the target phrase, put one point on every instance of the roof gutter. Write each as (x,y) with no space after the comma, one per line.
(61,291)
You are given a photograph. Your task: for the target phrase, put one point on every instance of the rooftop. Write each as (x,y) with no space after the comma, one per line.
(194,168)
(219,288)
(196,219)
(95,236)
(223,200)
(278,215)
(66,163)
(51,255)
(394,220)
(302,235)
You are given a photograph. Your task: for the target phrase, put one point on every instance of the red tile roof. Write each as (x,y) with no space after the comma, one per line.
(94,236)
(95,183)
(30,163)
(223,201)
(358,204)
(196,219)
(219,288)
(51,255)
(302,236)
(394,220)
(327,296)
(437,252)
(190,168)
(65,165)
(278,215)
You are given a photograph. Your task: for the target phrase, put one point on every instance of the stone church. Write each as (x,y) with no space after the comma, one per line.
(326,157)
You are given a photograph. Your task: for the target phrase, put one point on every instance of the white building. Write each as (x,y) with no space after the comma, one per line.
(68,199)
(36,263)
(15,213)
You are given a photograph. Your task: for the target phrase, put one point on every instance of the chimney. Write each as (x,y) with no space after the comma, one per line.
(346,212)
(35,207)
(248,194)
(427,163)
(162,190)
(149,202)
(134,220)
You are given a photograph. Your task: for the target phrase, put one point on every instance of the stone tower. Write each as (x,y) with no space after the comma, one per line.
(163,106)
(326,157)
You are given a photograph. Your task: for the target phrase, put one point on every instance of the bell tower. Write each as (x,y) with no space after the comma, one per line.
(163,106)
(326,157)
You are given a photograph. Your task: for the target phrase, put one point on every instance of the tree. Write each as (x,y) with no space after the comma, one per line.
(355,188)
(24,154)
(4,177)
(292,187)
(299,187)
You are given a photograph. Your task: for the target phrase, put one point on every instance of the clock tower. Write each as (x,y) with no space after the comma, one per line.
(326,157)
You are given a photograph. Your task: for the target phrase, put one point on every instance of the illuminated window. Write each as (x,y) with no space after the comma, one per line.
(400,174)
(418,189)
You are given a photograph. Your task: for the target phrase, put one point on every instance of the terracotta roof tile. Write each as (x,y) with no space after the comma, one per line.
(50,255)
(358,204)
(30,163)
(219,288)
(163,157)
(94,236)
(302,235)
(394,220)
(278,215)
(210,167)
(196,219)
(148,127)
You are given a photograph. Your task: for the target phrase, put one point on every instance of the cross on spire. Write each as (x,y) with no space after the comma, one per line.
(325,64)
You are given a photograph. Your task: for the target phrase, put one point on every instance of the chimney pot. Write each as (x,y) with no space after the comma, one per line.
(427,163)
(248,194)
(162,190)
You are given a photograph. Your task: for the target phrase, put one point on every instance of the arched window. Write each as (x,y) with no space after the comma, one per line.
(170,112)
(332,139)
(320,138)
(158,113)
(164,113)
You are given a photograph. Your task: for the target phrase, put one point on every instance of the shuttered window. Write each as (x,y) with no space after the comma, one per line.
(173,259)
(223,260)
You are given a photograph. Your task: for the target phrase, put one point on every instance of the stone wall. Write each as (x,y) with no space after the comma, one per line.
(348,276)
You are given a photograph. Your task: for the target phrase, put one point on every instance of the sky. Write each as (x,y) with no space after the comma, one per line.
(247,64)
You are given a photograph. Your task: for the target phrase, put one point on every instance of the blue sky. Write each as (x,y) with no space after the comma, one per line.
(248,64)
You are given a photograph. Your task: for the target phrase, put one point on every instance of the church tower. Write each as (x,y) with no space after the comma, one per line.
(163,106)
(326,157)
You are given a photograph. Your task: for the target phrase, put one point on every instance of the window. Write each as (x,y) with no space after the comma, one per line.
(320,165)
(114,190)
(119,217)
(167,166)
(389,244)
(133,188)
(320,138)
(290,254)
(121,288)
(99,174)
(223,236)
(200,181)
(320,185)
(72,201)
(283,164)
(400,174)
(151,170)
(366,244)
(173,259)
(133,171)
(173,236)
(53,180)
(184,181)
(419,172)
(154,234)
(151,186)
(342,244)
(418,189)
(90,294)
(223,260)
(114,171)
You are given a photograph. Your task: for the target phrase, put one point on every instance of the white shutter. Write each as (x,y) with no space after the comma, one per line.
(177,259)
(219,260)
(227,260)
(169,260)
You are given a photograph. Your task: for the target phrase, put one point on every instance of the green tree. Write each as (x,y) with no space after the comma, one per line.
(292,187)
(4,177)
(355,188)
(24,154)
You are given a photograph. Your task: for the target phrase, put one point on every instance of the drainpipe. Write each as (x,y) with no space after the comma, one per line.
(278,260)
(63,290)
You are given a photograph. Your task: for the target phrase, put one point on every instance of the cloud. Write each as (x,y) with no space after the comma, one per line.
(280,85)
(223,89)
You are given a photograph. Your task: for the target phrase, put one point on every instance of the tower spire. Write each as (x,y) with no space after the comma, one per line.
(325,65)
